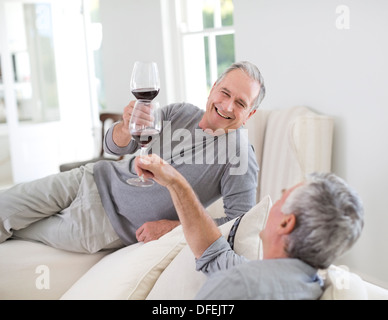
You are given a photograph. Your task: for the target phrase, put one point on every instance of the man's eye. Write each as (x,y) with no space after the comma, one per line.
(225,93)
(241,105)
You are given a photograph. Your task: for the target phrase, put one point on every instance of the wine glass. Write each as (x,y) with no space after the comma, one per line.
(145,83)
(145,124)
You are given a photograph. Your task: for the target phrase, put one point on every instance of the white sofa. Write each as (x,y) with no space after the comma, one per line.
(289,143)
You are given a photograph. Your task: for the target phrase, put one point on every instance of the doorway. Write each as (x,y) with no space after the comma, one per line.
(47,115)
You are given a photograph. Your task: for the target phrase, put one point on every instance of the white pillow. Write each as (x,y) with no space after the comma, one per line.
(128,273)
(340,284)
(180,280)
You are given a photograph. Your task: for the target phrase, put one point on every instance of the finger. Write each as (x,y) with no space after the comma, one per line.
(140,171)
(143,116)
(137,167)
(148,240)
(158,169)
(151,160)
(147,175)
(142,113)
(151,163)
(127,113)
(139,233)
(146,164)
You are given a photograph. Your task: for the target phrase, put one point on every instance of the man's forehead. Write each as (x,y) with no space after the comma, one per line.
(240,84)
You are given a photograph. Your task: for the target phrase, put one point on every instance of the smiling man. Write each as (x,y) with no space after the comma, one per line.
(92,208)
(312,224)
(230,101)
(233,99)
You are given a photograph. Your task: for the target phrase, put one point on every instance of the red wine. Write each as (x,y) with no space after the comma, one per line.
(145,93)
(144,137)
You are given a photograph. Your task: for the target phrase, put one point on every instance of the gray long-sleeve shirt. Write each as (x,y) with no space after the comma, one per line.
(233,277)
(214,166)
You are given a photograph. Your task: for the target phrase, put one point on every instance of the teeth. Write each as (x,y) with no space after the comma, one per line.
(225,117)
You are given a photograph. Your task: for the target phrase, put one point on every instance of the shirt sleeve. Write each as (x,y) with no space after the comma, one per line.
(218,256)
(112,148)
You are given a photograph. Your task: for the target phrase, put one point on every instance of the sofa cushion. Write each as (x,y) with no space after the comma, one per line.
(180,280)
(130,272)
(31,270)
(375,292)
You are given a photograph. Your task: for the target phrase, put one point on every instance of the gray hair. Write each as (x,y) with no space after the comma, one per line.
(253,72)
(329,219)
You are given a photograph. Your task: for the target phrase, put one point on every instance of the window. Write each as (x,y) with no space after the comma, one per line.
(94,39)
(2,102)
(205,42)
(30,40)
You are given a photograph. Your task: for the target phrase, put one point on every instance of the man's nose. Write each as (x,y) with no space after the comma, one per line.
(228,105)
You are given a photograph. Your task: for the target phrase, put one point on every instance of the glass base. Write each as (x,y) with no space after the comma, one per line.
(138,182)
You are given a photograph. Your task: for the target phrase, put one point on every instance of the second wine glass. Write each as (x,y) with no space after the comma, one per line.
(144,126)
(145,82)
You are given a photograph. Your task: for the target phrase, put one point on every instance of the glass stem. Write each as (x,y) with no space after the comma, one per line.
(143,152)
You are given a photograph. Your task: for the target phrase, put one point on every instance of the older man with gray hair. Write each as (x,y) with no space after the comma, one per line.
(311,225)
(93,208)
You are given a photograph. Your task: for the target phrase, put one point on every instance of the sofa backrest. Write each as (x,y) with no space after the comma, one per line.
(289,144)
(296,141)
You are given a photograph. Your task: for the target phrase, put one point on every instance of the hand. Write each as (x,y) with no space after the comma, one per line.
(143,113)
(153,167)
(121,135)
(153,230)
(127,113)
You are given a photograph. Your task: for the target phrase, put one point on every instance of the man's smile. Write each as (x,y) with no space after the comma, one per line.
(222,115)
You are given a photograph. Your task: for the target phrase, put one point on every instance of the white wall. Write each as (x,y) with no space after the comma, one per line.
(306,60)
(132,30)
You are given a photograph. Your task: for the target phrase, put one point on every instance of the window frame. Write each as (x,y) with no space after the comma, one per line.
(181,86)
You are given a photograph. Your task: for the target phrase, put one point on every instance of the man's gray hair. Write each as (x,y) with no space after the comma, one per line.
(253,72)
(329,219)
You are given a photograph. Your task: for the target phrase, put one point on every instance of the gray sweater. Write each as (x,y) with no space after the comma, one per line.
(223,166)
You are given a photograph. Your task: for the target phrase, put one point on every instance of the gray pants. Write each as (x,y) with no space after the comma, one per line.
(62,210)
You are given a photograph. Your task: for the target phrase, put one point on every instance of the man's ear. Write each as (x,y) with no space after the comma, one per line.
(252,113)
(287,224)
(249,115)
